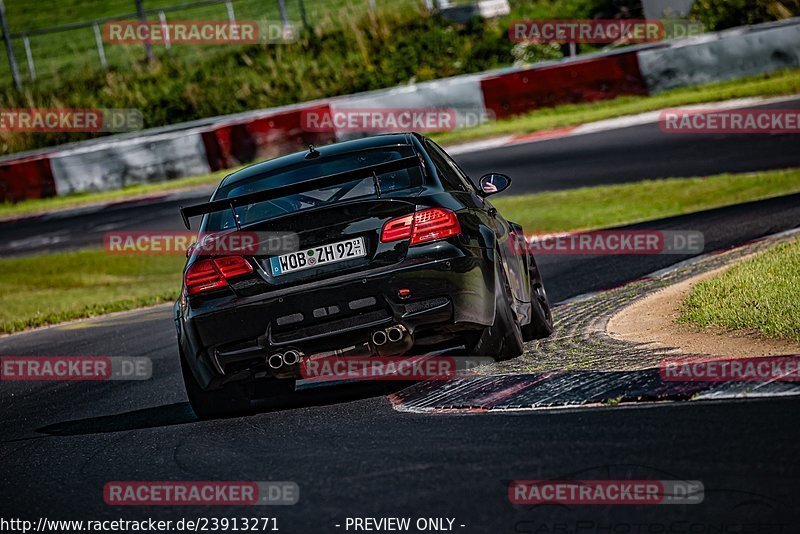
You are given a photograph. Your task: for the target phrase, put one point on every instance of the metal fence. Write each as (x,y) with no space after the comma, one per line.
(49,51)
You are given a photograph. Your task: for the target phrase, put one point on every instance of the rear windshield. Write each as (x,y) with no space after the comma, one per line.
(359,188)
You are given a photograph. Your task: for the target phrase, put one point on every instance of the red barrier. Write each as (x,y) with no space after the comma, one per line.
(235,143)
(25,178)
(579,81)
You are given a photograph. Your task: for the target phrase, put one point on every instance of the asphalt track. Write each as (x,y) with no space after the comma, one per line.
(352,455)
(634,153)
(607,157)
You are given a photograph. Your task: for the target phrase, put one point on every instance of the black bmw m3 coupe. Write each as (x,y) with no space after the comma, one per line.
(395,252)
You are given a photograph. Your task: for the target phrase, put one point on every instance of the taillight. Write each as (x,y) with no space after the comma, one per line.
(423,226)
(433,224)
(207,275)
(397,229)
(233,266)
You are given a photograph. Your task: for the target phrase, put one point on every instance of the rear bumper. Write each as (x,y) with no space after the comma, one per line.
(230,340)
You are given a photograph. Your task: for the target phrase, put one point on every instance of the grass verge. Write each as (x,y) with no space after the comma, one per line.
(758,293)
(51,288)
(776,84)
(614,205)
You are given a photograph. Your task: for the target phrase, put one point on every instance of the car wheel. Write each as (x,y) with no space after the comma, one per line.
(232,399)
(541,325)
(503,340)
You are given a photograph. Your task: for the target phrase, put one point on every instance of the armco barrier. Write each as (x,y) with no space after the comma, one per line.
(118,164)
(462,94)
(234,143)
(589,80)
(724,56)
(24,178)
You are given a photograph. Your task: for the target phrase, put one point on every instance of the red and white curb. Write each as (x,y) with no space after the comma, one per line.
(560,390)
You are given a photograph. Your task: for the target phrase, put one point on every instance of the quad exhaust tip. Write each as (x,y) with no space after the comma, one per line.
(392,334)
(275,361)
(290,357)
(379,338)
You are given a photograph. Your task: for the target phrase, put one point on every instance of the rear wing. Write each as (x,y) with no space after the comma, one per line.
(300,187)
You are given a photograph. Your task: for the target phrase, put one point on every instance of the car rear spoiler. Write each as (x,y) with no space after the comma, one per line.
(300,187)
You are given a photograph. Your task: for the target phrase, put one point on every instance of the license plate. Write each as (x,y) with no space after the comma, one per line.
(316,256)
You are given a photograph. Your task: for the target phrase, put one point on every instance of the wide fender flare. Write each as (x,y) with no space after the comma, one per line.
(492,264)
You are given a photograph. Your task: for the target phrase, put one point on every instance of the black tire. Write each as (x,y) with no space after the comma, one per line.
(232,399)
(541,325)
(503,340)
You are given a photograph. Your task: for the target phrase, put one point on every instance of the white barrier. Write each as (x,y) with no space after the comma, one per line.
(115,162)
(720,57)
(114,165)
(461,93)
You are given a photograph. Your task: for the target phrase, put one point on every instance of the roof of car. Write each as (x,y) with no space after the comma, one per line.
(334,149)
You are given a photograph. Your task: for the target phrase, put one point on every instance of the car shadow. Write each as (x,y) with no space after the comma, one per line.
(178,413)
(181,413)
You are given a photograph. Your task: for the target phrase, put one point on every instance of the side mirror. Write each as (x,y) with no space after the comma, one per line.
(494,183)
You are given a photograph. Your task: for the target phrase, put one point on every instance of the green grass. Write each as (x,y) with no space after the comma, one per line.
(50,288)
(613,205)
(40,205)
(56,12)
(57,54)
(758,294)
(776,84)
